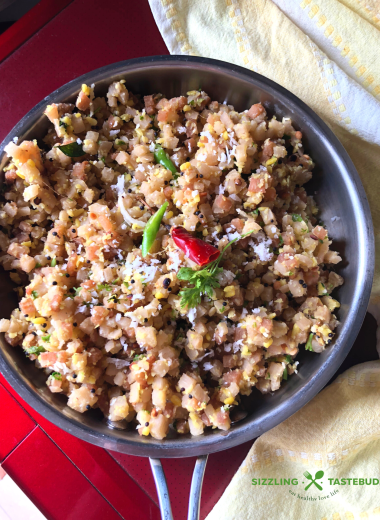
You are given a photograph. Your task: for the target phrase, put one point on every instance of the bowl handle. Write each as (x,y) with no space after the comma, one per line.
(195,490)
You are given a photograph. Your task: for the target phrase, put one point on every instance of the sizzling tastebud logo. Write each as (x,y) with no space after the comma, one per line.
(315,482)
(318,476)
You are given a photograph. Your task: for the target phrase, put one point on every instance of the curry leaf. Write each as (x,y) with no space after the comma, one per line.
(72,149)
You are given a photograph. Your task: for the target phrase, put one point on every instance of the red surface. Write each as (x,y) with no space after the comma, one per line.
(17,423)
(57,471)
(49,479)
(96,464)
(29,24)
(86,35)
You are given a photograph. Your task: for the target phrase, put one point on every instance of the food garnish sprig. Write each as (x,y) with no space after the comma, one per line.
(204,281)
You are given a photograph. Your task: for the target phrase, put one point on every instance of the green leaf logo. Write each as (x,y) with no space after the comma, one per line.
(318,476)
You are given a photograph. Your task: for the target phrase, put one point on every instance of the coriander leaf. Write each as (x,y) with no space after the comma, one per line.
(34,295)
(288,358)
(46,338)
(72,149)
(281,240)
(296,217)
(186,273)
(209,291)
(190,297)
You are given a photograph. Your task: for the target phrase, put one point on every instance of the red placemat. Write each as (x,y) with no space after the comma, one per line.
(84,36)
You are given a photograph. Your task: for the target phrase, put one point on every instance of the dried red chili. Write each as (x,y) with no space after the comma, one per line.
(194,248)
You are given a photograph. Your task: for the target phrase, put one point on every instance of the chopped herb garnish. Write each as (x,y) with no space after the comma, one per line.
(296,217)
(285,374)
(38,265)
(34,295)
(46,338)
(97,110)
(103,160)
(320,241)
(288,358)
(281,240)
(35,350)
(255,212)
(77,290)
(267,375)
(53,262)
(61,123)
(72,149)
(308,343)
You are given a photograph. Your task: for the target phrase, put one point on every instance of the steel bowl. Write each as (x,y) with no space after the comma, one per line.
(339,193)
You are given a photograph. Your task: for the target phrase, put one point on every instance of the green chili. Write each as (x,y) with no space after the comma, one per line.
(285,374)
(151,229)
(308,345)
(53,263)
(161,158)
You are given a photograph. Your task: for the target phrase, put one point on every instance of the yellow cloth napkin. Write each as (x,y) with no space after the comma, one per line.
(327,53)
(338,432)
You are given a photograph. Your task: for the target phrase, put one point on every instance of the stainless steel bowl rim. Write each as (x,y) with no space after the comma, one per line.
(246,431)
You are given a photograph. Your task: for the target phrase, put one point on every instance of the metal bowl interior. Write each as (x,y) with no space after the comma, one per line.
(338,192)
